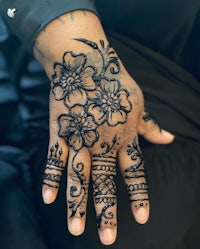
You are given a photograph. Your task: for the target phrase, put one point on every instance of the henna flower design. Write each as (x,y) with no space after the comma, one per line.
(78,128)
(111,104)
(71,79)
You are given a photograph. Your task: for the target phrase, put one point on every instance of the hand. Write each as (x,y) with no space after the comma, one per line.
(96,112)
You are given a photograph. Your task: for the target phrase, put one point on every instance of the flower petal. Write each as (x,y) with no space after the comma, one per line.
(90,138)
(78,111)
(58,69)
(76,97)
(58,92)
(76,142)
(124,102)
(65,125)
(90,123)
(74,62)
(98,113)
(87,81)
(117,117)
(111,86)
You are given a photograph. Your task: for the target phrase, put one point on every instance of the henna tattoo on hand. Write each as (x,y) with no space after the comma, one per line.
(79,191)
(93,95)
(77,128)
(100,94)
(136,171)
(54,167)
(136,155)
(104,174)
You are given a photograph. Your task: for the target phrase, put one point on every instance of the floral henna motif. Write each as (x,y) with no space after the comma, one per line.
(110,103)
(72,79)
(78,84)
(77,128)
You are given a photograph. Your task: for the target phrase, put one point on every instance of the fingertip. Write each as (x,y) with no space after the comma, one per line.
(159,136)
(48,195)
(168,135)
(141,215)
(108,236)
(75,226)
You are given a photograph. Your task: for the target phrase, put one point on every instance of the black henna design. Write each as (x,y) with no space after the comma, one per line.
(77,128)
(136,171)
(105,167)
(52,177)
(104,174)
(104,193)
(137,189)
(110,61)
(135,154)
(73,81)
(105,213)
(137,186)
(92,95)
(107,149)
(79,191)
(54,164)
(148,116)
(104,184)
(111,101)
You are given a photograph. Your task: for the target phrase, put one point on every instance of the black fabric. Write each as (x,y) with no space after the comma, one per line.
(18,217)
(168,27)
(32,16)
(11,127)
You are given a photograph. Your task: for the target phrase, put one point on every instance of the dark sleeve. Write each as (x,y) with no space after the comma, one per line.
(27,18)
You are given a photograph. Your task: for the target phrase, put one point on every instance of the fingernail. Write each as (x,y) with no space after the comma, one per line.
(47,195)
(107,236)
(75,226)
(142,215)
(167,134)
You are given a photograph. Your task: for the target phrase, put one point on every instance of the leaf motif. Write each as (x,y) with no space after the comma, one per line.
(102,43)
(114,139)
(89,43)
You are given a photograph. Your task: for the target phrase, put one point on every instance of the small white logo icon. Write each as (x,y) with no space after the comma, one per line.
(11,12)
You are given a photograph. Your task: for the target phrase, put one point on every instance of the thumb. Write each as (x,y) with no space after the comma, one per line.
(151,131)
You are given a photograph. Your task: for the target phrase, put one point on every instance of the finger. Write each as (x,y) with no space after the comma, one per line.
(56,161)
(132,167)
(150,130)
(77,189)
(104,192)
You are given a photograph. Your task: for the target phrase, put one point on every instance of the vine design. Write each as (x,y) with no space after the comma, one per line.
(137,191)
(78,193)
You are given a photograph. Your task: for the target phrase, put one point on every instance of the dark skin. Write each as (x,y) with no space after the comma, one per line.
(96,114)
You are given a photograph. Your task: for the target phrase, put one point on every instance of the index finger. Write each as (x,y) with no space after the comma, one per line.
(132,167)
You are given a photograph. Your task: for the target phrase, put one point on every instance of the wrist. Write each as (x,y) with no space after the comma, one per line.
(59,36)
